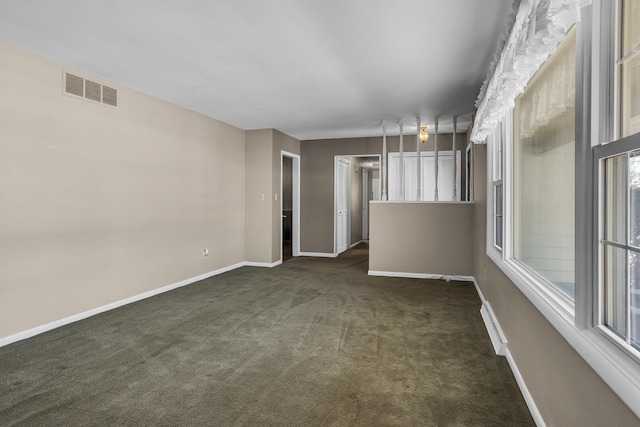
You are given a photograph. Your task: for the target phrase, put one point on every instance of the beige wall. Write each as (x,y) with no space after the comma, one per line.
(263,226)
(258,196)
(318,173)
(566,390)
(317,198)
(421,238)
(101,203)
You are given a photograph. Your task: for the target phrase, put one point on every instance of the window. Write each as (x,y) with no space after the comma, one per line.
(427,173)
(498,192)
(628,64)
(620,244)
(543,172)
(578,116)
(618,169)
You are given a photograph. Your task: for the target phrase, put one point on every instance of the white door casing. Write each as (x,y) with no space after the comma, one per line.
(342,205)
(295,226)
(365,204)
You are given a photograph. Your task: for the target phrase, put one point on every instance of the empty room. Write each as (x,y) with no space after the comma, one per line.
(320,213)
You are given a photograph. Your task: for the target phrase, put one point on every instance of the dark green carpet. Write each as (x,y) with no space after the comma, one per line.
(314,342)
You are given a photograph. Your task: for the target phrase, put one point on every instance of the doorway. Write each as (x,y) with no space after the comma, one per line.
(365,204)
(289,205)
(356,184)
(343,184)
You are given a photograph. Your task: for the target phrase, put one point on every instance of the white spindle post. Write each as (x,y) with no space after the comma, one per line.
(418,191)
(384,161)
(401,162)
(455,164)
(435,192)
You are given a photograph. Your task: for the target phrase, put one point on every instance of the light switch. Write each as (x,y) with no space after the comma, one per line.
(262,197)
(276,197)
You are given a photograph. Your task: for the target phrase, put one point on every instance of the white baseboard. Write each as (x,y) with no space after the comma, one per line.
(261,264)
(531,404)
(356,244)
(318,254)
(447,277)
(504,351)
(80,316)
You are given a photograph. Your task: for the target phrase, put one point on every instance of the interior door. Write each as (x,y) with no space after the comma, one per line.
(342,205)
(365,204)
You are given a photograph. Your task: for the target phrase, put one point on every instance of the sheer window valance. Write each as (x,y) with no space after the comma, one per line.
(539,26)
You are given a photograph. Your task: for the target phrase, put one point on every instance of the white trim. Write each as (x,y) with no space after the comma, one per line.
(447,277)
(480,294)
(319,254)
(615,367)
(531,403)
(337,160)
(295,226)
(356,244)
(365,204)
(80,316)
(261,264)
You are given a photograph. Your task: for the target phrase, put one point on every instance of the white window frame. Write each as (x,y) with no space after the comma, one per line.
(596,123)
(601,153)
(496,166)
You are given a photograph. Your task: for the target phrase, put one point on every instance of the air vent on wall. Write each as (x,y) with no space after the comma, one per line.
(74,85)
(109,96)
(92,90)
(88,89)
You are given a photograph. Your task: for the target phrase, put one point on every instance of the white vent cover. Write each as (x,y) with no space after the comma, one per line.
(74,85)
(78,86)
(498,339)
(92,90)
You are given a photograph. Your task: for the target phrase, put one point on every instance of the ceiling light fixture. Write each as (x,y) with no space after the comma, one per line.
(424,136)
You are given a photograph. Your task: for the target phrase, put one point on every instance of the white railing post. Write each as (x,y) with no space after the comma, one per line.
(384,161)
(435,192)
(455,164)
(418,191)
(401,162)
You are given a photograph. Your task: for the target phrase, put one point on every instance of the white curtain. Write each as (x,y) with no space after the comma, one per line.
(538,27)
(544,171)
(427,172)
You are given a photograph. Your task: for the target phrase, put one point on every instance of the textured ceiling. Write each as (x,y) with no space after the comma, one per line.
(309,68)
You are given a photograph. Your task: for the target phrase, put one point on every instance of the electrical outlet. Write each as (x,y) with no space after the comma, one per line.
(205,253)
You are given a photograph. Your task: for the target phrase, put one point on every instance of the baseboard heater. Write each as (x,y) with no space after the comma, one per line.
(493,328)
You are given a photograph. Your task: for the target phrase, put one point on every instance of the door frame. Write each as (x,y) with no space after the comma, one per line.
(469,152)
(365,204)
(338,159)
(335,187)
(295,203)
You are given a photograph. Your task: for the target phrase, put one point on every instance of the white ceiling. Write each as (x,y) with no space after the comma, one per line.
(309,68)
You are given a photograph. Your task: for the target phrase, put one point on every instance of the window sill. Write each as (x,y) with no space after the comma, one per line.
(615,366)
